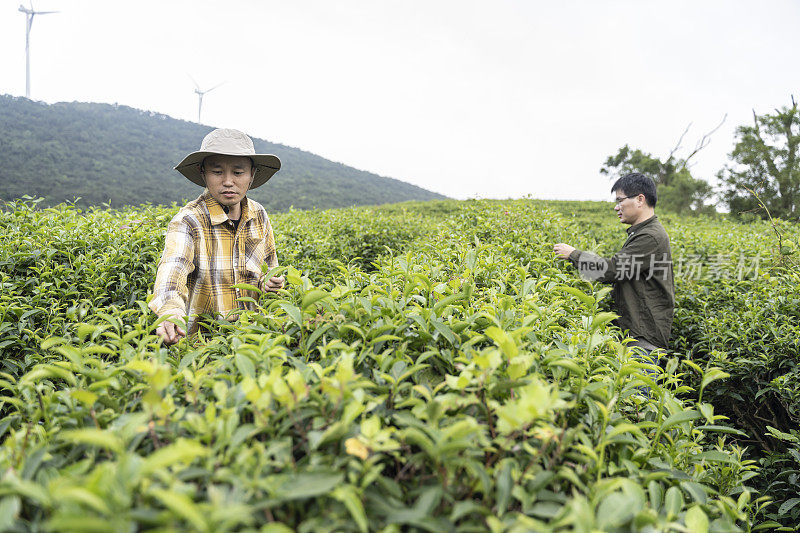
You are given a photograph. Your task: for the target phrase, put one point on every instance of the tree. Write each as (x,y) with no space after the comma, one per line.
(678,190)
(766,166)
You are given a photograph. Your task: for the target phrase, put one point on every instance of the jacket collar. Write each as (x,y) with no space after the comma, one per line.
(640,225)
(218,215)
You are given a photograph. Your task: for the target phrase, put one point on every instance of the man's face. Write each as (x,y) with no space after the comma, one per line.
(228,177)
(628,207)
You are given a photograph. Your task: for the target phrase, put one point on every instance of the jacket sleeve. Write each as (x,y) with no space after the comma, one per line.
(633,261)
(171,292)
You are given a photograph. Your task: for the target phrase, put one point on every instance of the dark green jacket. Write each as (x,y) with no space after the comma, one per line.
(644,290)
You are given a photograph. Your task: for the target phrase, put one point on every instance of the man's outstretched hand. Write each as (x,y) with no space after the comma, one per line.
(563,250)
(170,332)
(273,284)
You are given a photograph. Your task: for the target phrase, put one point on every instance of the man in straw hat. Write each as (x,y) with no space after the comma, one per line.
(218,240)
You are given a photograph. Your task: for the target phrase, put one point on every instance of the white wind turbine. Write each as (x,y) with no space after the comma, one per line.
(200,95)
(29,13)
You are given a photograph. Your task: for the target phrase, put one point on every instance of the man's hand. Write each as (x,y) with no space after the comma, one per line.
(169,331)
(563,250)
(273,284)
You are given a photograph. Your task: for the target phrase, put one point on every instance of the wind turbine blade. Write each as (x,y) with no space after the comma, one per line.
(195,83)
(45,12)
(215,86)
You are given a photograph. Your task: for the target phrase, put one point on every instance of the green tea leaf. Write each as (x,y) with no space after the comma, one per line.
(679,418)
(82,496)
(293,312)
(307,485)
(696,520)
(715,456)
(601,319)
(245,365)
(85,397)
(183,506)
(506,343)
(615,510)
(9,512)
(311,297)
(45,371)
(182,451)
(52,341)
(447,300)
(787,506)
(444,330)
(569,364)
(713,374)
(348,496)
(673,502)
(248,287)
(93,437)
(584,298)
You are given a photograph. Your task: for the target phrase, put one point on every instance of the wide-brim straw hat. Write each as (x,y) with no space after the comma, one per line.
(229,142)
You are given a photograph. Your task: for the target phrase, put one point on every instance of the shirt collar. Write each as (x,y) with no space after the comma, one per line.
(218,215)
(640,225)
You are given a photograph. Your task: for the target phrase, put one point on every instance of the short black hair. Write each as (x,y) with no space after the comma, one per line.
(636,183)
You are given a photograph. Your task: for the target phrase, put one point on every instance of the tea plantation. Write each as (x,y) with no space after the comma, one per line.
(430,367)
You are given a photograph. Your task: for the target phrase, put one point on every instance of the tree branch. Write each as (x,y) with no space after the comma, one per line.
(678,144)
(704,141)
(781,258)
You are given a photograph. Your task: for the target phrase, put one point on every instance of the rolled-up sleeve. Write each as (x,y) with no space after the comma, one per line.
(171,291)
(268,250)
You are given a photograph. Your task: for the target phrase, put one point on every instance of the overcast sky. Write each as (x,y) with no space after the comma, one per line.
(487,99)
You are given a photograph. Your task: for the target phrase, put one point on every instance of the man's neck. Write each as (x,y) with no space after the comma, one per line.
(646,214)
(235,211)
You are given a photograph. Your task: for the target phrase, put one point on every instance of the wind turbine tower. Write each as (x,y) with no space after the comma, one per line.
(29,13)
(200,95)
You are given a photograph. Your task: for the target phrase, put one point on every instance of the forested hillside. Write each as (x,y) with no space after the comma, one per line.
(108,153)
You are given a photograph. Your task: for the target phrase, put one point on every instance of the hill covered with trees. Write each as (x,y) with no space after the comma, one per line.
(116,154)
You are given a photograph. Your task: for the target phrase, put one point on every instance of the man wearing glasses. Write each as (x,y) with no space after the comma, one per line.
(641,272)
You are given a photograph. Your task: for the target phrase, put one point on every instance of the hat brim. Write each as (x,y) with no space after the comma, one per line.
(266,167)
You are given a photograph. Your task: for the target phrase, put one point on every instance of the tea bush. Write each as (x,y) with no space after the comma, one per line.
(429,367)
(750,328)
(738,310)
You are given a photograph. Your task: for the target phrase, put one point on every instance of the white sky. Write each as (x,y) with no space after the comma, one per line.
(488,99)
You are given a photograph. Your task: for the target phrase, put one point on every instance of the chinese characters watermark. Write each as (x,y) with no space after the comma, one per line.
(690,267)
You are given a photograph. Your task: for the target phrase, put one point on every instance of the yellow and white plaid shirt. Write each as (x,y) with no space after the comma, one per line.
(204,257)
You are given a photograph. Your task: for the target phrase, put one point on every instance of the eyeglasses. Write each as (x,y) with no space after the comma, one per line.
(618,200)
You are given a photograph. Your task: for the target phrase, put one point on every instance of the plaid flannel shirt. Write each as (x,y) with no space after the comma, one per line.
(204,257)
